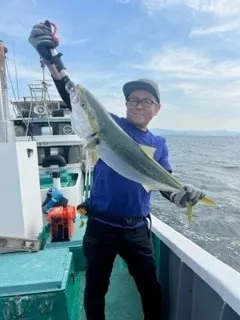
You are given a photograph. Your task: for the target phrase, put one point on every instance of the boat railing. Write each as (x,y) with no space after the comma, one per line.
(194,277)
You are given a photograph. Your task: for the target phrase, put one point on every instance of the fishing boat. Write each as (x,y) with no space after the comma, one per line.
(44,279)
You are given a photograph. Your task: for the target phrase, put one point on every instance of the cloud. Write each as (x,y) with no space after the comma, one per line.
(198,90)
(217,96)
(184,63)
(220,8)
(24,71)
(181,62)
(18,19)
(216,29)
(184,50)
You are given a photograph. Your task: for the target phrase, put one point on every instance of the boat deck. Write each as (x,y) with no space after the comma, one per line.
(122,301)
(196,286)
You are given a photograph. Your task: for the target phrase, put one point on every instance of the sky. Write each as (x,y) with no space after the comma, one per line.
(189,47)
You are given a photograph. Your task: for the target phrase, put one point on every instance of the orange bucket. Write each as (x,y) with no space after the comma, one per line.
(62,222)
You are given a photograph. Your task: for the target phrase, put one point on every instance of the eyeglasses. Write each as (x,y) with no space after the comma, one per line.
(146,103)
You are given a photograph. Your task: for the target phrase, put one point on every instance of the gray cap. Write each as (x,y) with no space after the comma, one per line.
(143,84)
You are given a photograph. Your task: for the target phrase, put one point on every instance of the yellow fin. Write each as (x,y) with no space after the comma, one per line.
(81,224)
(93,157)
(207,201)
(189,211)
(148,188)
(148,150)
(92,144)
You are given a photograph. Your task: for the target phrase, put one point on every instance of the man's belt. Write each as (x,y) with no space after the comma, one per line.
(121,221)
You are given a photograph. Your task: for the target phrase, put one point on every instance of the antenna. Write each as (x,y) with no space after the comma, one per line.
(43,68)
(16,75)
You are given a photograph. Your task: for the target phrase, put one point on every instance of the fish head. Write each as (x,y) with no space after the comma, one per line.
(84,120)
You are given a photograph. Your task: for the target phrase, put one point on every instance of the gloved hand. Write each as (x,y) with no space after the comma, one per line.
(42,40)
(188,194)
(82,208)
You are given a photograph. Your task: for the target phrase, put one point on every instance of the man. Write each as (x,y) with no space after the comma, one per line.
(118,208)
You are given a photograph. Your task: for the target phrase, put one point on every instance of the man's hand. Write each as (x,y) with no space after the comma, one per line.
(82,208)
(42,40)
(188,194)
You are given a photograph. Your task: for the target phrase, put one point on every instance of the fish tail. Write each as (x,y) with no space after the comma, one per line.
(81,224)
(207,201)
(189,211)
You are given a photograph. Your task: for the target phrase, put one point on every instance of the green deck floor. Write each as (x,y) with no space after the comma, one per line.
(122,300)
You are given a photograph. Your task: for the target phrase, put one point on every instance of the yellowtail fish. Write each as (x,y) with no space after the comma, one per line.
(117,149)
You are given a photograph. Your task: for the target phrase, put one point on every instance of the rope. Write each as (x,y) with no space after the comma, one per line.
(15,106)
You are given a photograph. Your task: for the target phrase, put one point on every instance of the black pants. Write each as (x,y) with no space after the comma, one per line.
(101,244)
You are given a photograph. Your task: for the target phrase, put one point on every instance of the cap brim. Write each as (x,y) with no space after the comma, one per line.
(131,86)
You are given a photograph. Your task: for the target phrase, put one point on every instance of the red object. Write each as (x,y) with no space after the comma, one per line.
(55,38)
(62,223)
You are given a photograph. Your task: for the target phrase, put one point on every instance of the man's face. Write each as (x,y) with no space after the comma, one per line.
(141,108)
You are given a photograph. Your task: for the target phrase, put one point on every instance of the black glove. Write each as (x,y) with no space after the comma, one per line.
(42,40)
(83,208)
(188,194)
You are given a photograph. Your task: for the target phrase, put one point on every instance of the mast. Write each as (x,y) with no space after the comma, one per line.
(6,126)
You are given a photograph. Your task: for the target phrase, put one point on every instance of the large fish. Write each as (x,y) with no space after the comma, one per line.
(117,149)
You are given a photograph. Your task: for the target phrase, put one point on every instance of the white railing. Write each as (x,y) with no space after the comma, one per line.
(220,277)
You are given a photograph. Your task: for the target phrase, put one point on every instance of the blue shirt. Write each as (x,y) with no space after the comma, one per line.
(112,193)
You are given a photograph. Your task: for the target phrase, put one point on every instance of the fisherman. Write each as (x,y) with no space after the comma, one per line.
(118,208)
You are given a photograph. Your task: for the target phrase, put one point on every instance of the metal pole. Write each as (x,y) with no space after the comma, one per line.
(6,126)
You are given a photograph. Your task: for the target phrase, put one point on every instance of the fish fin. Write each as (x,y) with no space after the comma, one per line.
(81,224)
(92,144)
(148,150)
(147,188)
(207,201)
(189,211)
(94,157)
(94,134)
